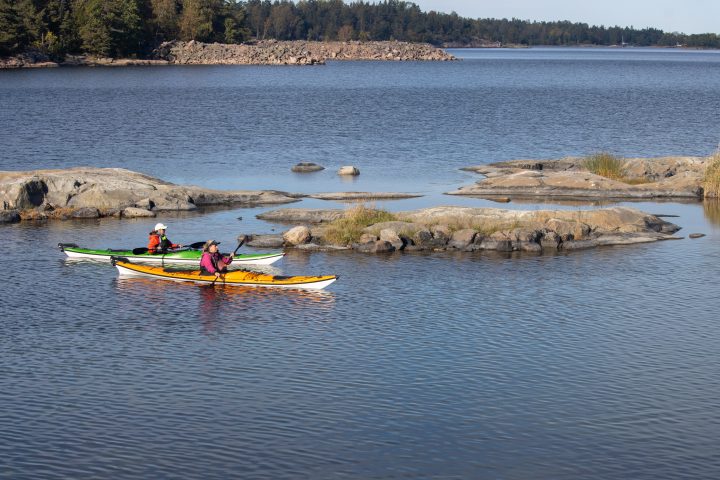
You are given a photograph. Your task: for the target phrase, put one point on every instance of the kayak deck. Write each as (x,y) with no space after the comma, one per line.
(242,278)
(180,257)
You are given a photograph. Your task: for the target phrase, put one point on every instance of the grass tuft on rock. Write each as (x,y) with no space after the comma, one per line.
(348,229)
(711,181)
(606,165)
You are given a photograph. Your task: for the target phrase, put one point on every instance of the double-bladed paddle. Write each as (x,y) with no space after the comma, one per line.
(192,246)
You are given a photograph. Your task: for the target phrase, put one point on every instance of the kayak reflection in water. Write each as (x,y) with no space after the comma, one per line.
(158,242)
(213,262)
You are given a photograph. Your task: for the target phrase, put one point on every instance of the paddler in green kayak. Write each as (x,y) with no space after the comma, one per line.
(158,242)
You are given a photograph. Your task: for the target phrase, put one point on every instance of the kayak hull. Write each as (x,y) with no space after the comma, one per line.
(239,278)
(186,257)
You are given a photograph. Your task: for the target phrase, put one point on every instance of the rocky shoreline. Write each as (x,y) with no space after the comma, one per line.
(266,52)
(117,192)
(87,192)
(470,229)
(664,177)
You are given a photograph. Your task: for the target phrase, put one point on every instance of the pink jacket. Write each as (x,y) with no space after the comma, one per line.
(209,261)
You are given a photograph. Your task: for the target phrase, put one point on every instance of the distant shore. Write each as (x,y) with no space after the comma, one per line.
(267,52)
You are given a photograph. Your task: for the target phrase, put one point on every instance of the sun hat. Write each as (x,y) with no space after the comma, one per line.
(160,226)
(209,243)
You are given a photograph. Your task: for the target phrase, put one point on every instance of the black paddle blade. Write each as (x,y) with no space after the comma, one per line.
(139,251)
(197,245)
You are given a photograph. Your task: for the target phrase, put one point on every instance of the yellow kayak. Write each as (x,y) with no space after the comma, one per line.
(237,277)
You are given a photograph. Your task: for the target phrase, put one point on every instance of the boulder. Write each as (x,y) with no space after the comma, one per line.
(266,241)
(423,238)
(297,235)
(348,170)
(461,239)
(380,246)
(9,216)
(391,236)
(367,238)
(134,212)
(86,212)
(696,235)
(307,167)
(550,240)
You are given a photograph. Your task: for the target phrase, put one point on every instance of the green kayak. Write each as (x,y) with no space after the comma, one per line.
(179,257)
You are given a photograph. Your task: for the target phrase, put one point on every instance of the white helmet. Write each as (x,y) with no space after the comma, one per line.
(160,226)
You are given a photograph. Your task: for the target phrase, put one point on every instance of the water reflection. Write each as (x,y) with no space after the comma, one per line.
(219,305)
(712,211)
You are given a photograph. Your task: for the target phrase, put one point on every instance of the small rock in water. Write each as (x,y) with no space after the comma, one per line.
(307,167)
(348,170)
(696,235)
(239,218)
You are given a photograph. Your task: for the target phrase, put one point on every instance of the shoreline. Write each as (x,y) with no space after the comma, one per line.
(264,52)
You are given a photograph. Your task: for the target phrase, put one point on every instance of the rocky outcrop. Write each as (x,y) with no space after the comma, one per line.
(272,52)
(31,59)
(472,229)
(266,52)
(341,196)
(301,215)
(665,177)
(111,191)
(307,167)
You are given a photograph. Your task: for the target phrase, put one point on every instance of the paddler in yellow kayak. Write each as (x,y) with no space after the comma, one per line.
(213,262)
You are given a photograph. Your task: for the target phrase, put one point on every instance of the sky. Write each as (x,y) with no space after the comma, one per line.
(686,16)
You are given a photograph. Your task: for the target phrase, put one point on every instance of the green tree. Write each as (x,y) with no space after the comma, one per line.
(109,28)
(19,26)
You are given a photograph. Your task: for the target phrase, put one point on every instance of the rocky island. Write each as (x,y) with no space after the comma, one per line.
(98,192)
(462,229)
(636,178)
(265,52)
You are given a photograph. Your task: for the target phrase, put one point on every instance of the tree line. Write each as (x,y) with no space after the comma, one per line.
(121,28)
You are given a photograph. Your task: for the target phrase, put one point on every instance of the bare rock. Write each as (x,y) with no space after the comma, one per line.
(391,236)
(297,235)
(341,196)
(9,216)
(301,215)
(348,170)
(461,239)
(696,235)
(672,177)
(381,246)
(134,212)
(266,240)
(307,167)
(550,240)
(86,212)
(423,238)
(367,238)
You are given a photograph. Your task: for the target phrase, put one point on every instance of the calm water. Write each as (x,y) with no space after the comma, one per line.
(599,364)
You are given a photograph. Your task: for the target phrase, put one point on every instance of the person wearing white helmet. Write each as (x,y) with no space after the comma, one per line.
(158,242)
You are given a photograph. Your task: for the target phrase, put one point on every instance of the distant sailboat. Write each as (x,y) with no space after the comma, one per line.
(622,41)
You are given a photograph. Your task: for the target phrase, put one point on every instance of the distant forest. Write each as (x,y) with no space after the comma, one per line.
(125,28)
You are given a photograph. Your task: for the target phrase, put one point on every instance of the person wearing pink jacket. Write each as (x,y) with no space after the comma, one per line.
(213,262)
